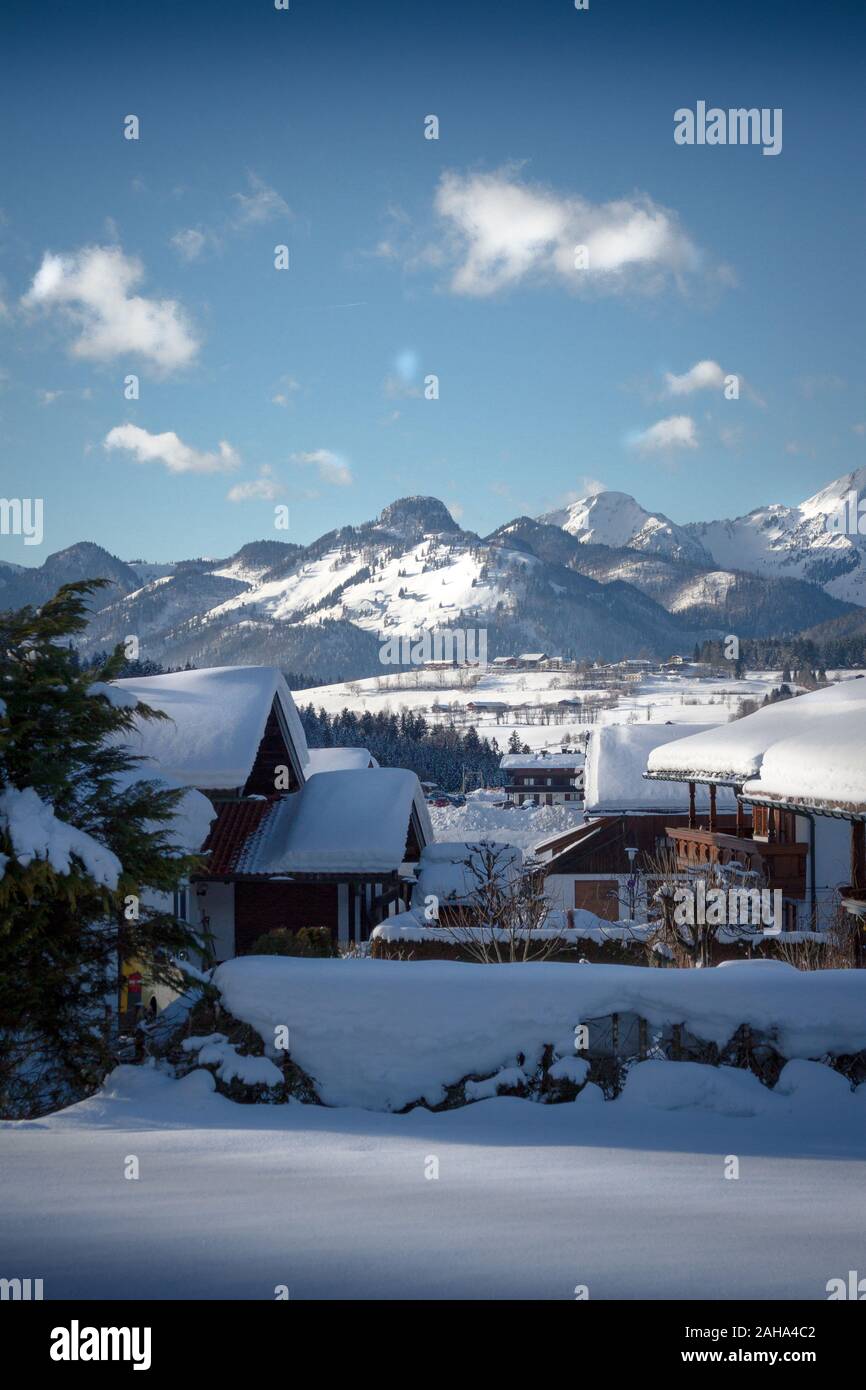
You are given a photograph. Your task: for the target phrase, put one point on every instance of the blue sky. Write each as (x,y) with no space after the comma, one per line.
(410,257)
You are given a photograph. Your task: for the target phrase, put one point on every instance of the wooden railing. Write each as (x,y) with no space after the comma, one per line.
(778,865)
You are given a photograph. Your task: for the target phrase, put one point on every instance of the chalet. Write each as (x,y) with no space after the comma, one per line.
(532,660)
(768,761)
(599,864)
(293,840)
(550,779)
(340,853)
(820,772)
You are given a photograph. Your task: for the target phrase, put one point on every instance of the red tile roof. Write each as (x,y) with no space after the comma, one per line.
(236,821)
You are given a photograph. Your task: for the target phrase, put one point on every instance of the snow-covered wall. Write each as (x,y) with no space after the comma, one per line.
(382,1034)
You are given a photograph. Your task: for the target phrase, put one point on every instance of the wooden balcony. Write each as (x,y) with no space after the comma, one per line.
(777,865)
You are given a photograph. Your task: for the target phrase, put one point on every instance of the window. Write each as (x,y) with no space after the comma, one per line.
(180,905)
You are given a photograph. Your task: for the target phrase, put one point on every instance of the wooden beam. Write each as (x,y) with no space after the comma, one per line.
(741,819)
(712,806)
(692,820)
(858,854)
(772,825)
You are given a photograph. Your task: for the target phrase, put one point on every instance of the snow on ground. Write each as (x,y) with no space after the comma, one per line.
(523,826)
(627,1197)
(444,695)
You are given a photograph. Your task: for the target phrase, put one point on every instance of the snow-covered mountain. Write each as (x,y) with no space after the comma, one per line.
(615,519)
(796,541)
(793,542)
(608,579)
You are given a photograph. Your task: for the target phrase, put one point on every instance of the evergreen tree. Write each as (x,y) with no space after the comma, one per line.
(83,840)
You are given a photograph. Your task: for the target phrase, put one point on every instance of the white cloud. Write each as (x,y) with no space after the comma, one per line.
(675,432)
(702,375)
(331,468)
(171,451)
(94,287)
(503,231)
(261,204)
(49,397)
(591,487)
(264,488)
(708,375)
(289,388)
(189,243)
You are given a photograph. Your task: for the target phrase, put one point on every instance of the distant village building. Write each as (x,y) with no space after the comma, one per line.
(531,660)
(550,779)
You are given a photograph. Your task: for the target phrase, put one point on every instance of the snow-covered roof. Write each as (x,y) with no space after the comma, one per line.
(736,752)
(454,870)
(216,721)
(823,766)
(615,763)
(338,759)
(541,759)
(354,821)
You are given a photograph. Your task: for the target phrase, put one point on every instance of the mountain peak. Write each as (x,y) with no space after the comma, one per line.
(416,517)
(615,519)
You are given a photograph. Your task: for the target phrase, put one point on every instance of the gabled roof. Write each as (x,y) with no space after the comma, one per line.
(217,718)
(354,821)
(734,753)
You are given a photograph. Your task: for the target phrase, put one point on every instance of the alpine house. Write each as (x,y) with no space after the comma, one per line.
(798,771)
(300,837)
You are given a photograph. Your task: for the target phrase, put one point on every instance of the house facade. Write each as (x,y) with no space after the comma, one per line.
(777,840)
(607,864)
(549,779)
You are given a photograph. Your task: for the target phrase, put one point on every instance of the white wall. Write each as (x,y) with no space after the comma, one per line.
(832,856)
(218,903)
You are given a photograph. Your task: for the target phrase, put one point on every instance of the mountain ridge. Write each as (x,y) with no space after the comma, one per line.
(531,584)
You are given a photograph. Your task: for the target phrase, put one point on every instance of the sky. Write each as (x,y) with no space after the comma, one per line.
(559,370)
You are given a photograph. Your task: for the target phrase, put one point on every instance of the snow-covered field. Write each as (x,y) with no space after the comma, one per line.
(445,695)
(628,1198)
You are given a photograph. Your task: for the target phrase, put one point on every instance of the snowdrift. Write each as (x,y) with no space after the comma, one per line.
(385,1034)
